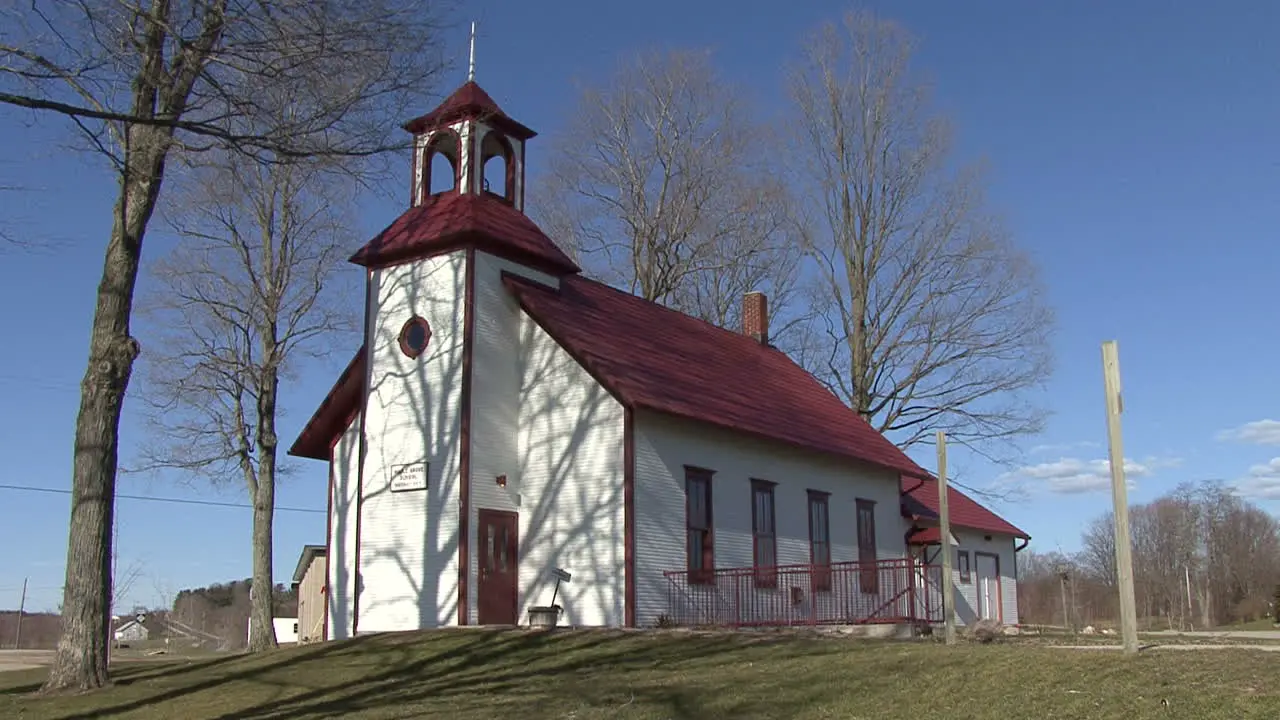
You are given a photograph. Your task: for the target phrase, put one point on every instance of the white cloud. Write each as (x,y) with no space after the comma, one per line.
(1070,476)
(1258,432)
(1064,447)
(1262,481)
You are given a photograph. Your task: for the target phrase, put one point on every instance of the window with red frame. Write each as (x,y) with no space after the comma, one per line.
(819,541)
(764,534)
(869,578)
(698,521)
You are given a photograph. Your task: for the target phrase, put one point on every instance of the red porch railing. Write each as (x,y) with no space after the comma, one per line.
(886,591)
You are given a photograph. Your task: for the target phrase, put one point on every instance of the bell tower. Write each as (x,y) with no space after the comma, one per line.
(469,146)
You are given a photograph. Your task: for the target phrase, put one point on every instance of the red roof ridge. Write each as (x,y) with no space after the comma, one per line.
(684,316)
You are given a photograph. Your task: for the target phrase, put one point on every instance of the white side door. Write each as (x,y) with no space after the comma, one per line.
(988,572)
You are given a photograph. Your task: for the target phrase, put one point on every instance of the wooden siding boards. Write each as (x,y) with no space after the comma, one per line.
(311,601)
(664,445)
(966,594)
(495,402)
(571,447)
(341,567)
(408,554)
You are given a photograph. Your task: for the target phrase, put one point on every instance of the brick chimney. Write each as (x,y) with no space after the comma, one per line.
(755,317)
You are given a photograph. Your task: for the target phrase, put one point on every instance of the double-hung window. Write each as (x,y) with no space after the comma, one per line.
(869,577)
(764,534)
(700,535)
(819,541)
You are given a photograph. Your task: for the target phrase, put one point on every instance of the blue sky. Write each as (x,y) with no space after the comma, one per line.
(1134,150)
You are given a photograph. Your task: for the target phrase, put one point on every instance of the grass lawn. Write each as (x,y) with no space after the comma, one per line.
(518,675)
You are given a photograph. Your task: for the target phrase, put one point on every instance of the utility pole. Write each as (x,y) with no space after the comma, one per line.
(22,606)
(1190,609)
(1120,497)
(1066,618)
(944,527)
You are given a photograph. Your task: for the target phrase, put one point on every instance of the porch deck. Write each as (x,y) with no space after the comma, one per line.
(842,593)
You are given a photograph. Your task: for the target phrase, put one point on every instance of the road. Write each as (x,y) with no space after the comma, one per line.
(1221,634)
(1252,640)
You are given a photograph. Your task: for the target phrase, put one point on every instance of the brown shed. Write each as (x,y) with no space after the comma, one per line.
(309,579)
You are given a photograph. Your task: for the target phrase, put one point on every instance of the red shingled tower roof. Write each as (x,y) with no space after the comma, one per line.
(469,101)
(451,220)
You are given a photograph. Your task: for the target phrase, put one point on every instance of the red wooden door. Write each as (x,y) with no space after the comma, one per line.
(499,567)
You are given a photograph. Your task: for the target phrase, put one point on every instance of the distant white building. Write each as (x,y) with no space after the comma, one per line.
(131,631)
(286,630)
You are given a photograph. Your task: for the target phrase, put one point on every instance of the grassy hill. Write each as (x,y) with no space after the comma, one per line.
(581,675)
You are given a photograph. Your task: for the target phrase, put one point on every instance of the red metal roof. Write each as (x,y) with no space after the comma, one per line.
(920,501)
(469,101)
(652,357)
(450,220)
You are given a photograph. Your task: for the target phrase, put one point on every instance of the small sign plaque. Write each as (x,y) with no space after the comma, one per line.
(409,477)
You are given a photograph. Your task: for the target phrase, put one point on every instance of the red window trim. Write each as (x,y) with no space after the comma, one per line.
(963,567)
(869,575)
(820,574)
(706,574)
(766,576)
(416,321)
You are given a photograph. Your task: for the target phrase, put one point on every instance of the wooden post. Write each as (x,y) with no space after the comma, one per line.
(1190,620)
(1066,618)
(944,527)
(1120,497)
(22,606)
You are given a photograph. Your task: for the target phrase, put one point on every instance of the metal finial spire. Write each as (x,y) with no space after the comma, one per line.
(471,67)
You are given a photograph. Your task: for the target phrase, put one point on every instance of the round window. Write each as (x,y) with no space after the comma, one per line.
(415,336)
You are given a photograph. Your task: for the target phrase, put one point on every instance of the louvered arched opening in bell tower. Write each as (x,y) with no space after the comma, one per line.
(498,167)
(441,163)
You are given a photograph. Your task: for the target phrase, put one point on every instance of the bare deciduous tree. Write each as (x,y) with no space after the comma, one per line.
(1202,540)
(1098,549)
(143,80)
(250,288)
(660,184)
(1241,547)
(7,236)
(933,319)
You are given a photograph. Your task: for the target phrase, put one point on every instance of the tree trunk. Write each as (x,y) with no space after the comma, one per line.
(80,662)
(263,634)
(261,612)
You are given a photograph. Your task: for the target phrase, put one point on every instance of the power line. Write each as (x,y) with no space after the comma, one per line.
(152,498)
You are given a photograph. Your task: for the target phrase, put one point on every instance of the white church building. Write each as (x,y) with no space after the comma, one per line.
(507,417)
